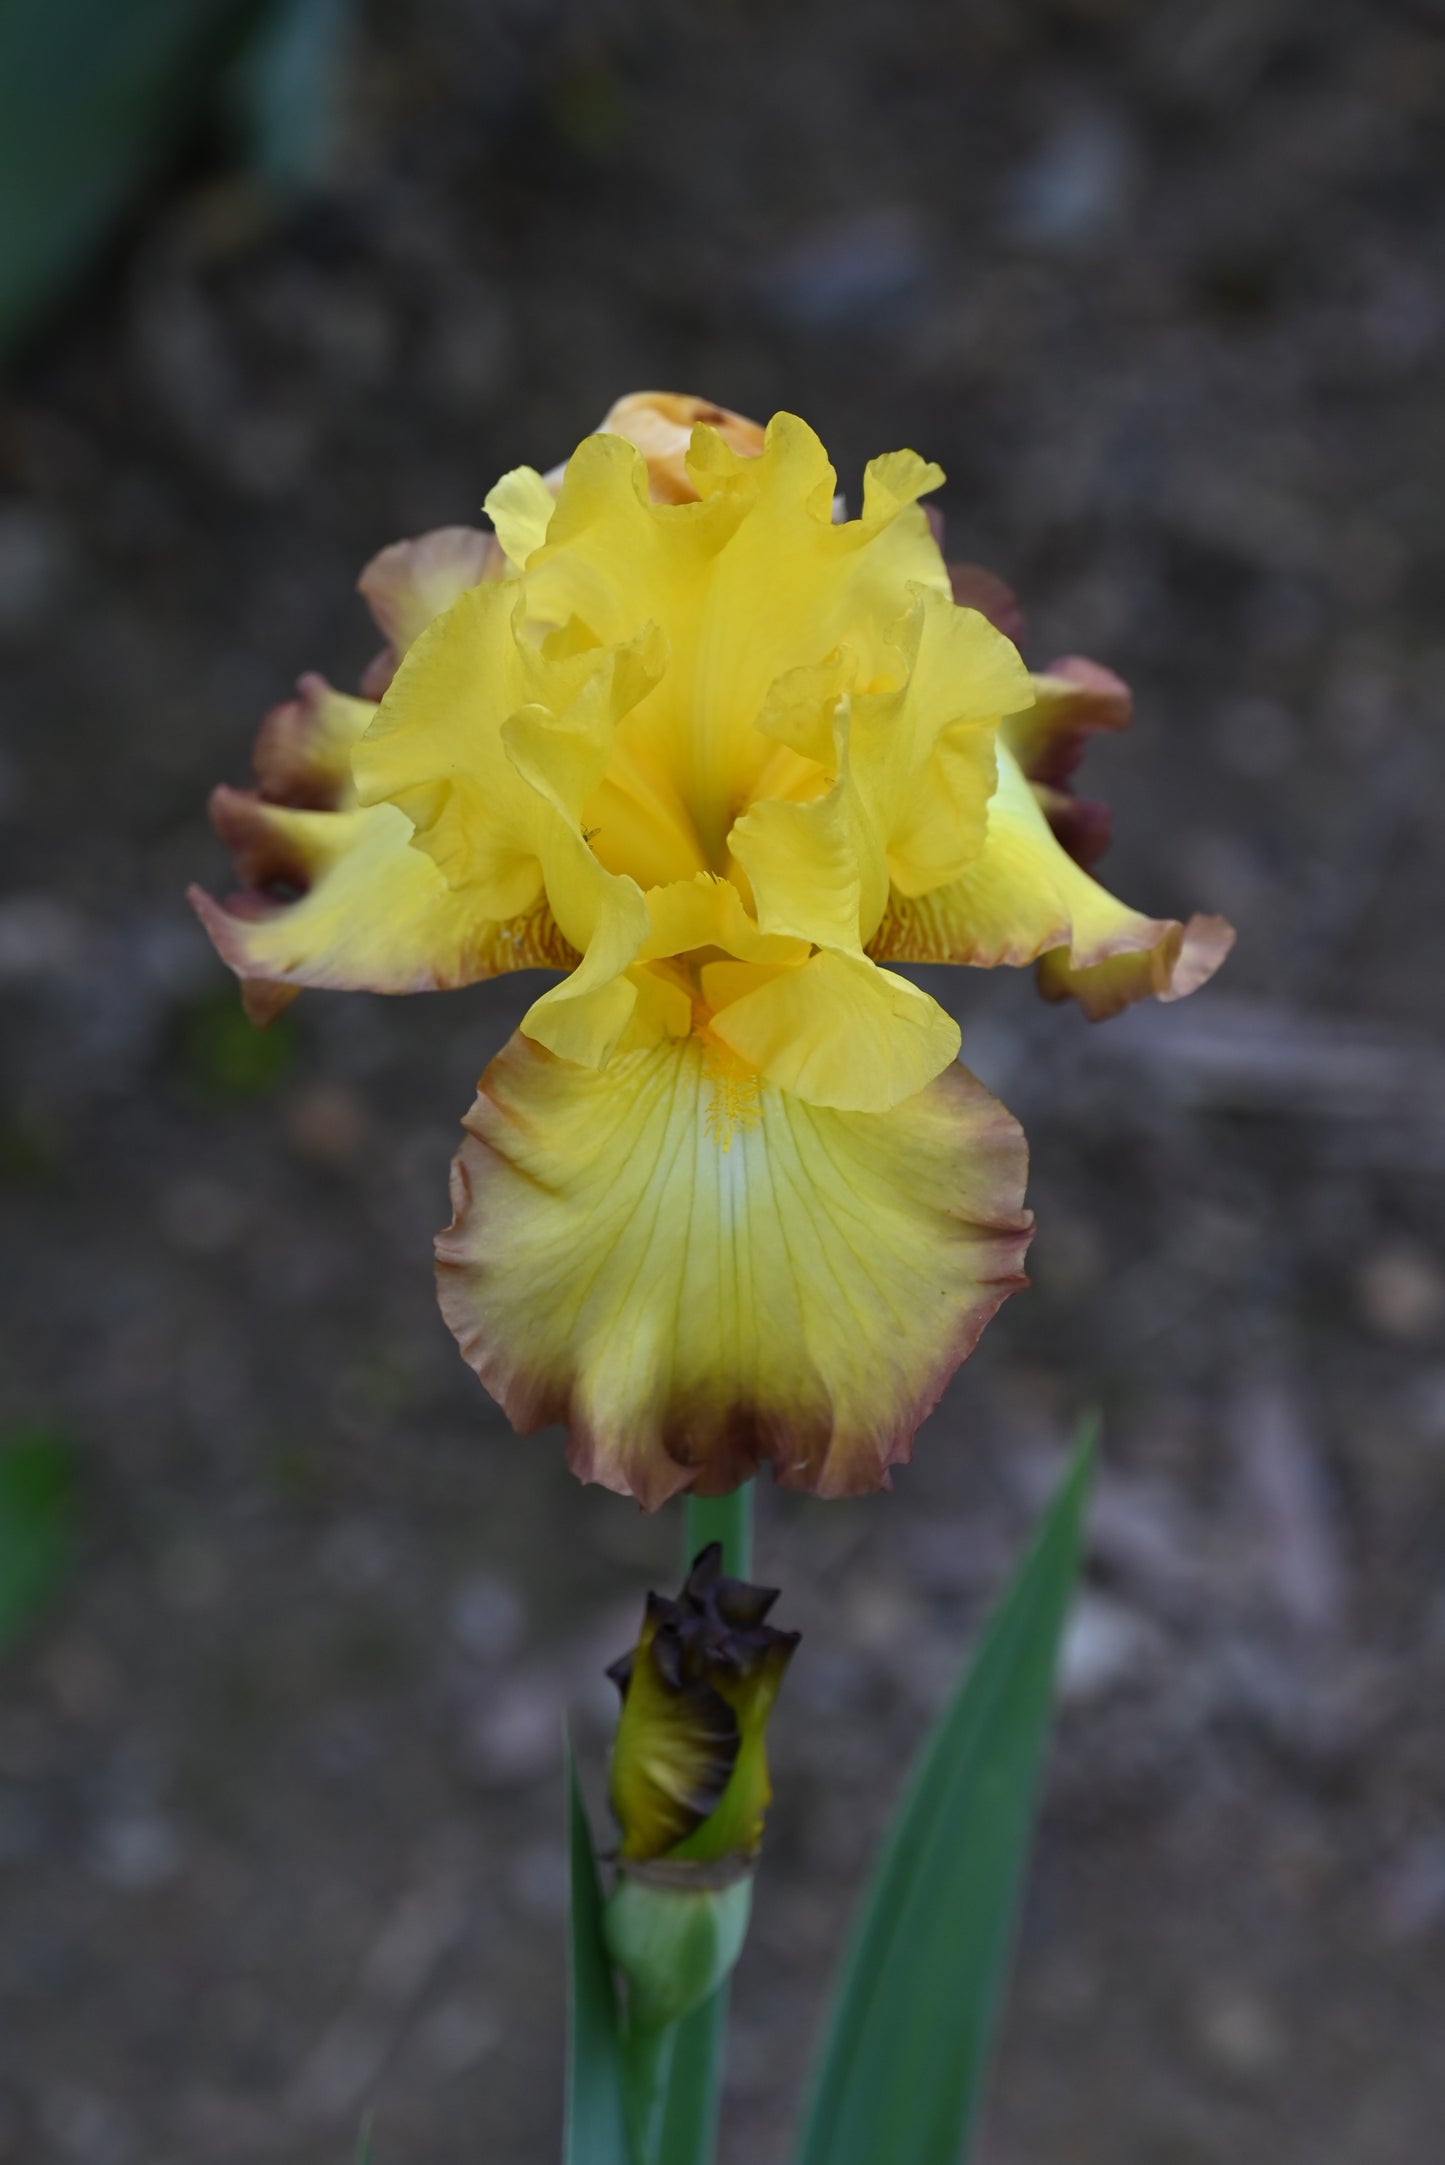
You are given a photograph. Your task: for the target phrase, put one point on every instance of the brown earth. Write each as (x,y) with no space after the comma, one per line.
(279,1824)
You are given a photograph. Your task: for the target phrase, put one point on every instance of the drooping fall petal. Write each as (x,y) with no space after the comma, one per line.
(1024,899)
(697,1272)
(335,893)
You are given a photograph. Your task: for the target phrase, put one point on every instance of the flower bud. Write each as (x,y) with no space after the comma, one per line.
(675,1937)
(690,1786)
(661,423)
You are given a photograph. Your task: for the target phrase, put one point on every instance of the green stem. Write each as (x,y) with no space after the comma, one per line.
(728,1519)
(688,2133)
(648,2059)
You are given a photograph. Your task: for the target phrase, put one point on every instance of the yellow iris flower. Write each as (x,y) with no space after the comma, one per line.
(678,731)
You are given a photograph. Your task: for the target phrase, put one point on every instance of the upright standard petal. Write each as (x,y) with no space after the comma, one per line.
(697,1272)
(748,582)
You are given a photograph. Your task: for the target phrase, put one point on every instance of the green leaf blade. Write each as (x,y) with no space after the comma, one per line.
(901,2072)
(595,2127)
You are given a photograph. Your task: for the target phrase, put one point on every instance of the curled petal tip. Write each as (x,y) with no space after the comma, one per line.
(1207,942)
(1175,962)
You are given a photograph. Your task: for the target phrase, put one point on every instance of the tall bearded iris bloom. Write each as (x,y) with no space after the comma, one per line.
(719,758)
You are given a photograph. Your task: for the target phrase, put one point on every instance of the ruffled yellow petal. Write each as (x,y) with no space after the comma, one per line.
(706,912)
(749,581)
(487,743)
(586,1017)
(690,1310)
(333,893)
(435,752)
(1024,899)
(929,764)
(520,507)
(840,1032)
(801,862)
(342,900)
(910,751)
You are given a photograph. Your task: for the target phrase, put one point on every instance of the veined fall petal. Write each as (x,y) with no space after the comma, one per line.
(697,1272)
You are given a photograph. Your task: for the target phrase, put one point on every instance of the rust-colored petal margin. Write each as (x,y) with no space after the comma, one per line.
(691,1310)
(1178,961)
(1074,699)
(334,894)
(976,587)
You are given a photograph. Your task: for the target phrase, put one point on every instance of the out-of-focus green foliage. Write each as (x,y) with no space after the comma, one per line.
(35,1524)
(96,94)
(284,90)
(222,1057)
(595,2121)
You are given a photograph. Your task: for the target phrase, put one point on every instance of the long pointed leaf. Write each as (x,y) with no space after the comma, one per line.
(595,2131)
(901,2071)
(92,96)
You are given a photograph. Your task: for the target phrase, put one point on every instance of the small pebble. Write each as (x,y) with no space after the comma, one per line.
(327,1124)
(1105,1644)
(1240,2033)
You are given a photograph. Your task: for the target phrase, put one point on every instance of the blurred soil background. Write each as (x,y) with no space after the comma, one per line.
(280,1823)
